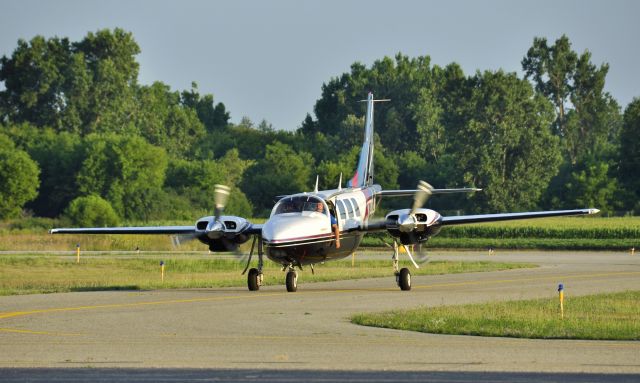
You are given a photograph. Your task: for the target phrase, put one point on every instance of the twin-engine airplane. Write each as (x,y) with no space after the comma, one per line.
(319,226)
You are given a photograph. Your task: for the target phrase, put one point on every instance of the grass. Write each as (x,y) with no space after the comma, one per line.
(31,274)
(604,316)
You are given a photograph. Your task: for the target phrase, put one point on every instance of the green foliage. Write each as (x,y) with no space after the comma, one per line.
(125,170)
(282,171)
(591,185)
(165,120)
(18,177)
(519,155)
(91,211)
(59,157)
(629,161)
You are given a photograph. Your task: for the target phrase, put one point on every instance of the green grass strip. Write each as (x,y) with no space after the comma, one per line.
(597,317)
(31,274)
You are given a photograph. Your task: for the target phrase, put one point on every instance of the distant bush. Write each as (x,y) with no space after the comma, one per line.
(91,211)
(32,224)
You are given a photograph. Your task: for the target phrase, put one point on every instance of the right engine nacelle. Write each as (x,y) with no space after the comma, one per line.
(412,229)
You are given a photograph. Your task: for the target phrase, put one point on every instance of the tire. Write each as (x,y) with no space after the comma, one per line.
(252,280)
(292,281)
(404,279)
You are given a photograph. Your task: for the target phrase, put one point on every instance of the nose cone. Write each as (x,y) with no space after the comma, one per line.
(283,228)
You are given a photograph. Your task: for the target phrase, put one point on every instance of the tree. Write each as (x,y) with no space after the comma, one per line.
(281,171)
(164,121)
(629,161)
(587,117)
(18,177)
(213,116)
(506,146)
(591,186)
(34,81)
(91,211)
(400,79)
(125,170)
(59,157)
(83,87)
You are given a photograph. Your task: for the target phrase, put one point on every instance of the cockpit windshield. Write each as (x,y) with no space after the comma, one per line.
(300,204)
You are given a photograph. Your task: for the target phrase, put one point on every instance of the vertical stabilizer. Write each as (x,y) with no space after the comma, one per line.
(364,172)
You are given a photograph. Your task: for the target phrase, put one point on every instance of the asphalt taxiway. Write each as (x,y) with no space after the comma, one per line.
(232,329)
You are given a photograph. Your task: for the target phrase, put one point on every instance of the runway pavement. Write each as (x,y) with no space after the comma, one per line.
(234,329)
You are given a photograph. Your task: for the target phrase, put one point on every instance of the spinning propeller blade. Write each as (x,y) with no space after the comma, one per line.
(422,195)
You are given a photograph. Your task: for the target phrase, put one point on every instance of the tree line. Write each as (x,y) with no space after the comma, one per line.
(81,138)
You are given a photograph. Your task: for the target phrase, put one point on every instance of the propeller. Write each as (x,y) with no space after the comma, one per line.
(220,198)
(407,223)
(215,228)
(423,192)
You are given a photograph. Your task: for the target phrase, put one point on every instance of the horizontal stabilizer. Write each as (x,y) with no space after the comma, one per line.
(411,192)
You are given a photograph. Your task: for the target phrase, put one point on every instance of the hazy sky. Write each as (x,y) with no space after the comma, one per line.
(268,59)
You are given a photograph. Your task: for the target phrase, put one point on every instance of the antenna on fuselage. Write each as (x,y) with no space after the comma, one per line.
(317,179)
(340,182)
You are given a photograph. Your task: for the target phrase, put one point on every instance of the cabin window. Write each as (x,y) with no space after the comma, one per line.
(355,205)
(342,210)
(349,208)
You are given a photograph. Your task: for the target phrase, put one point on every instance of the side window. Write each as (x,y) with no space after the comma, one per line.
(355,205)
(342,210)
(349,208)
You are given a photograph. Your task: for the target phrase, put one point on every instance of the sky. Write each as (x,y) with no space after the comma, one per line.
(268,59)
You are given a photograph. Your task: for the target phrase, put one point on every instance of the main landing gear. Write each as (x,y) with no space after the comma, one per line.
(292,281)
(403,276)
(254,278)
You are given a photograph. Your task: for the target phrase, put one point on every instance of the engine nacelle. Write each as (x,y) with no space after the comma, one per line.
(226,237)
(413,228)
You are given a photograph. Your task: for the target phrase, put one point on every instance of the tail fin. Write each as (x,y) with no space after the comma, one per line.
(364,172)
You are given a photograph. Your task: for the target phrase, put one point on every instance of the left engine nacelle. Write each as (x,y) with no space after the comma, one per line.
(413,228)
(225,237)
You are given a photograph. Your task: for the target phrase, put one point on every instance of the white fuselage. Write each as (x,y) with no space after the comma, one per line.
(297,234)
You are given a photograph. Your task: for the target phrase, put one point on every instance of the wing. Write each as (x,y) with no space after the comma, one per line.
(127,230)
(412,192)
(461,219)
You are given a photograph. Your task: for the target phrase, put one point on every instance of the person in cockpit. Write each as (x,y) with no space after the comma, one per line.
(334,223)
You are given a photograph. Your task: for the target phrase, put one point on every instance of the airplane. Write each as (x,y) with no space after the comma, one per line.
(313,227)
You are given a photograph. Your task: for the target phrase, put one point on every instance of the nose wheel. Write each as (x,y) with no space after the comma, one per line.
(292,281)
(403,276)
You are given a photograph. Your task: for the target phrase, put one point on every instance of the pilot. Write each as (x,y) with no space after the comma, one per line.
(334,223)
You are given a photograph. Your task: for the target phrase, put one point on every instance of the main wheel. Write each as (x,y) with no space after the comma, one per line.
(292,281)
(404,279)
(252,280)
